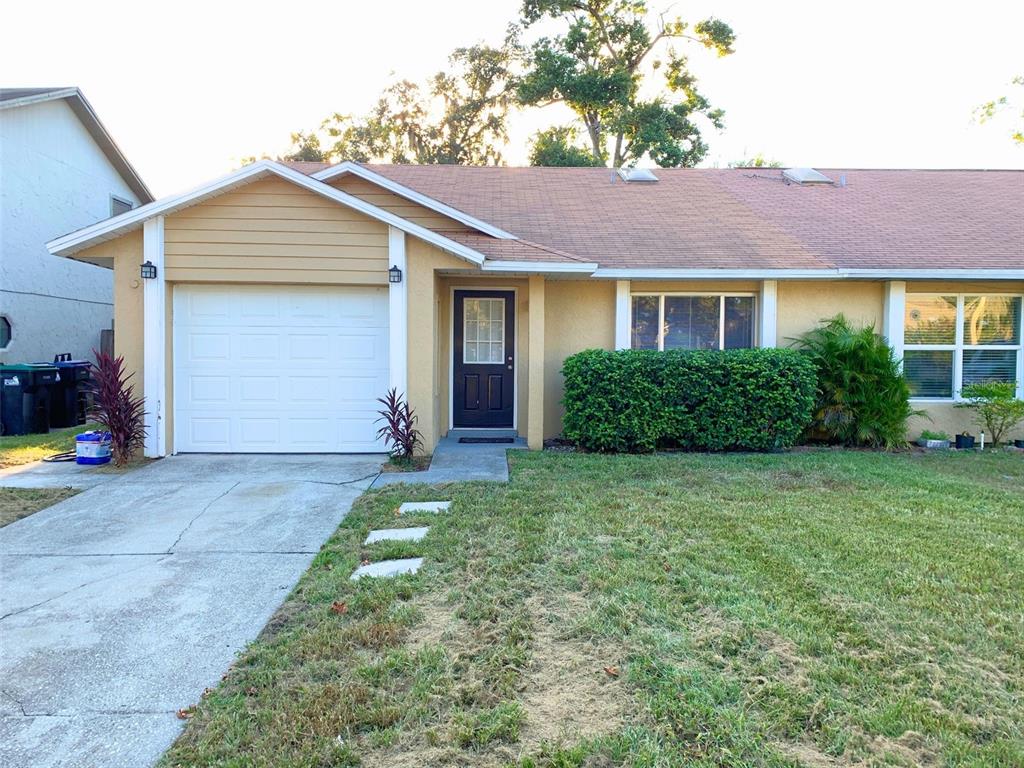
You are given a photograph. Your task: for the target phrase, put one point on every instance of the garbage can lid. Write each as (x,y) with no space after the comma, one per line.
(28,367)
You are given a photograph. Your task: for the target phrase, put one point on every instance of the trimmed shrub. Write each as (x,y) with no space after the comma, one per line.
(862,398)
(639,401)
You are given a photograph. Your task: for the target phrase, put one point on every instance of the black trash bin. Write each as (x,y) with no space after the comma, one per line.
(25,398)
(69,394)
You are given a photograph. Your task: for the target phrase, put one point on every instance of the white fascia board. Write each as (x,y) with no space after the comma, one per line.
(35,98)
(538,267)
(401,190)
(810,274)
(111,228)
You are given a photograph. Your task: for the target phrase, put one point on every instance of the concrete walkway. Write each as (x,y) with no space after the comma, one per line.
(455,462)
(120,605)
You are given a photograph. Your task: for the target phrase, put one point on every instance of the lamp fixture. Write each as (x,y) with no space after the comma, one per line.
(148,270)
(394,275)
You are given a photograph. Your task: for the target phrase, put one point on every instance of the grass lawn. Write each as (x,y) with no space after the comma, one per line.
(818,608)
(24,449)
(16,503)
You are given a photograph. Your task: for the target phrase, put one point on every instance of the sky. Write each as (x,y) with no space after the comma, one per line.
(188,89)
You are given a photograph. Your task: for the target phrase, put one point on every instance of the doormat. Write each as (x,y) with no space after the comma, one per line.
(486,439)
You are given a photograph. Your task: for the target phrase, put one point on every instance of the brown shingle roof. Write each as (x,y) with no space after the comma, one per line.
(739,218)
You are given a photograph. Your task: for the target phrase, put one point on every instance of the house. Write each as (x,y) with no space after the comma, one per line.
(59,170)
(283,299)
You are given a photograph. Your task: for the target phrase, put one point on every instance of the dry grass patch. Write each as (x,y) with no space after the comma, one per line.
(16,503)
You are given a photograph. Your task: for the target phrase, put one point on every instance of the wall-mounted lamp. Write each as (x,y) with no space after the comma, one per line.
(394,275)
(148,270)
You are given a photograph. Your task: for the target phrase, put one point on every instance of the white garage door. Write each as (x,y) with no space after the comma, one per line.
(278,369)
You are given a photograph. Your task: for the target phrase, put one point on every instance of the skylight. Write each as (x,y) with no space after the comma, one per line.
(637,174)
(806,176)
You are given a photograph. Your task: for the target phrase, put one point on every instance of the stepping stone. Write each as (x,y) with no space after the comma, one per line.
(388,568)
(396,534)
(429,507)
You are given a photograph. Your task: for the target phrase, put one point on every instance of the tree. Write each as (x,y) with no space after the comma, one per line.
(598,65)
(305,146)
(456,118)
(990,109)
(757,161)
(997,406)
(558,146)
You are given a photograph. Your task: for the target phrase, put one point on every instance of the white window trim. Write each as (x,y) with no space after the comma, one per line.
(720,295)
(958,347)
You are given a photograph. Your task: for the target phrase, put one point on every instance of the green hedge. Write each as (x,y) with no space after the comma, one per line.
(639,401)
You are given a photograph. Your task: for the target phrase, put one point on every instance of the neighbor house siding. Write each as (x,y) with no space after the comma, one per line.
(275,232)
(389,201)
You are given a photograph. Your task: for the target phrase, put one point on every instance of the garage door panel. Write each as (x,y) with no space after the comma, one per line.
(279,369)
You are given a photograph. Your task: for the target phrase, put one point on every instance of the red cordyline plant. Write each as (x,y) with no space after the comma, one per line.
(399,430)
(115,407)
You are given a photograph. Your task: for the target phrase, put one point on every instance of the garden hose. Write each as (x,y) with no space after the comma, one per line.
(66,456)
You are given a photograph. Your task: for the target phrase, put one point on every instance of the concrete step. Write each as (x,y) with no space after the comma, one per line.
(429,507)
(396,534)
(388,568)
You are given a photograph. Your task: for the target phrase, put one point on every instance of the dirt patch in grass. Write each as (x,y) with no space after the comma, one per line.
(16,503)
(415,464)
(572,687)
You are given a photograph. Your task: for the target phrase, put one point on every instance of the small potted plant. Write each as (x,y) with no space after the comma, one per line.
(933,440)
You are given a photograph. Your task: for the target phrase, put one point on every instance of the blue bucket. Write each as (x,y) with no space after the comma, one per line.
(92,448)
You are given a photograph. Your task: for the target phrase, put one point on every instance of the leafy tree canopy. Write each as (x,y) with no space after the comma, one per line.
(457,117)
(757,161)
(558,146)
(597,67)
(990,109)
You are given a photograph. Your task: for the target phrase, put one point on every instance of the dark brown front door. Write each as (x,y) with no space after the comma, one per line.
(484,383)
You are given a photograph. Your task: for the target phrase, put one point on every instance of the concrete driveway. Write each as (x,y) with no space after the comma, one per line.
(120,605)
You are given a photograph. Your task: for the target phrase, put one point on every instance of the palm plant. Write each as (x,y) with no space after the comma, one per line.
(862,397)
(115,407)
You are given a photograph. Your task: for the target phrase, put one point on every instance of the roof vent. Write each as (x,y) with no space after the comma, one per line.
(637,174)
(806,176)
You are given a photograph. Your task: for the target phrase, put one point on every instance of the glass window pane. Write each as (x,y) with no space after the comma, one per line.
(992,320)
(929,373)
(691,322)
(930,320)
(739,322)
(989,365)
(645,322)
(483,330)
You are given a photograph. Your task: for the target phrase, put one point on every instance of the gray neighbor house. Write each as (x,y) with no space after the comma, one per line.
(59,170)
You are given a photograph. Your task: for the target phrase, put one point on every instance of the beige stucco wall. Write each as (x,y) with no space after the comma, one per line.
(802,304)
(580,314)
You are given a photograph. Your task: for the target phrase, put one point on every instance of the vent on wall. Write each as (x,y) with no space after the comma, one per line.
(806,176)
(637,174)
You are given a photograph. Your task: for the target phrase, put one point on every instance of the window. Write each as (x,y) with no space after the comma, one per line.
(956,339)
(483,336)
(119,205)
(678,321)
(5,332)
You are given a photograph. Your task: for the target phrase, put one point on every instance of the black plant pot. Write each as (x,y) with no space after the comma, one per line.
(964,442)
